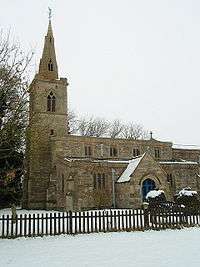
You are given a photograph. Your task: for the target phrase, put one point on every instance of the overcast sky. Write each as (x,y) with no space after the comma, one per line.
(137,60)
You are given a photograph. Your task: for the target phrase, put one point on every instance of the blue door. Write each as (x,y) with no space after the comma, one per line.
(147,186)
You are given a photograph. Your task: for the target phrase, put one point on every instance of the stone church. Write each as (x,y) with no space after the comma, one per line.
(70,172)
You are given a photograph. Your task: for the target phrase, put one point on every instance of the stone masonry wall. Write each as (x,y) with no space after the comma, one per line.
(74,146)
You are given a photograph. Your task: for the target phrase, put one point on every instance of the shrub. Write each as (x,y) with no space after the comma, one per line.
(155,197)
(187,197)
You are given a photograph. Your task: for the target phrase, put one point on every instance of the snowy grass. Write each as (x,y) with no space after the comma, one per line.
(170,248)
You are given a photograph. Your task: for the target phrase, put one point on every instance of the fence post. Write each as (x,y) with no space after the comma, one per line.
(70,223)
(14,213)
(146,215)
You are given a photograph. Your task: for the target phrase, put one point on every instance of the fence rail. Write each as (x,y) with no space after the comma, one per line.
(95,221)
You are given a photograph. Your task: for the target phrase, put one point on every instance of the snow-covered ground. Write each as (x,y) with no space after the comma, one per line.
(170,248)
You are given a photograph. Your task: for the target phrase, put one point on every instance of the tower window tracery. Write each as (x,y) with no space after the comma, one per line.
(51,102)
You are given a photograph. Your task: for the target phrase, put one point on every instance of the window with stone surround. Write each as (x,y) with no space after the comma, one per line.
(88,151)
(136,152)
(99,180)
(157,153)
(113,152)
(51,102)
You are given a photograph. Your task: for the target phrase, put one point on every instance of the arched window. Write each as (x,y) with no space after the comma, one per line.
(50,65)
(51,102)
(48,103)
(147,186)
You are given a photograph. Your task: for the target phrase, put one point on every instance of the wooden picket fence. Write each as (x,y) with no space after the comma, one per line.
(95,221)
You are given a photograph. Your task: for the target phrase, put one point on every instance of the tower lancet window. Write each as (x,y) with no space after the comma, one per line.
(50,65)
(51,102)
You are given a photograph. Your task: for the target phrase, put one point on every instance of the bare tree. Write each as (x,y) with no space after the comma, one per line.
(72,122)
(134,131)
(92,127)
(99,127)
(115,129)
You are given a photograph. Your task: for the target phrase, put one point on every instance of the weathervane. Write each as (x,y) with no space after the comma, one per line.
(50,13)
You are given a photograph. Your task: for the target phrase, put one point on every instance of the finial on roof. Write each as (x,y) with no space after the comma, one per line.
(50,13)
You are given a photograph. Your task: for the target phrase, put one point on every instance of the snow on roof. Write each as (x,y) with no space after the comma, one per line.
(179,162)
(187,192)
(191,147)
(154,193)
(125,177)
(117,161)
(97,160)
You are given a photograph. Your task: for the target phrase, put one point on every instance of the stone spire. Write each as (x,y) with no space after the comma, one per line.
(48,68)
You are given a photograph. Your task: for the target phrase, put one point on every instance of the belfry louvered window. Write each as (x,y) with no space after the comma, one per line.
(50,65)
(51,102)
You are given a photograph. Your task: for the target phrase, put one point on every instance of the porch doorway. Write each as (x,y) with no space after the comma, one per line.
(147,186)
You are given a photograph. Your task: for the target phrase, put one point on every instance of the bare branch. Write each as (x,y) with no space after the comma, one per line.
(134,131)
(115,129)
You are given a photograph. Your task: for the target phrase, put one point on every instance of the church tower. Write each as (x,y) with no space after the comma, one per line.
(47,120)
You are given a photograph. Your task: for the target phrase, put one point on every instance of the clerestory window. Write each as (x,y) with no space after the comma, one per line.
(88,151)
(157,153)
(136,152)
(113,152)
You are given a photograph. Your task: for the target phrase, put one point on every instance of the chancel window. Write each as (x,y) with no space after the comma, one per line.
(99,180)
(113,152)
(50,65)
(51,102)
(136,152)
(88,151)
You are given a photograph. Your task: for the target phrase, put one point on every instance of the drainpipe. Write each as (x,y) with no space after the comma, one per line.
(113,189)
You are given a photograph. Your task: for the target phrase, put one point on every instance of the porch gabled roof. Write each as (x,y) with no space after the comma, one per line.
(125,177)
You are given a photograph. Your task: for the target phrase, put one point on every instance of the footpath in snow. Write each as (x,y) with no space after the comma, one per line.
(170,248)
